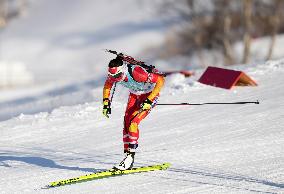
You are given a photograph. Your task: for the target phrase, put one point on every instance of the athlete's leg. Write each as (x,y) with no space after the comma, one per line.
(137,115)
(129,138)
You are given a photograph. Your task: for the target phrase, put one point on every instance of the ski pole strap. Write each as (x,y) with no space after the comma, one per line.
(193,104)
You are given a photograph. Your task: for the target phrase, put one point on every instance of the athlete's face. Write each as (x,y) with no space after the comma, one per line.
(116,73)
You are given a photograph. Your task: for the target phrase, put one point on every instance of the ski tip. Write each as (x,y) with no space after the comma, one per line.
(165,165)
(46,187)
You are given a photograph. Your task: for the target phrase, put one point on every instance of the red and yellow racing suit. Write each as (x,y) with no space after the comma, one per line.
(142,85)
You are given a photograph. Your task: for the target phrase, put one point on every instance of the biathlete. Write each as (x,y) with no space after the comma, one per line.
(144,87)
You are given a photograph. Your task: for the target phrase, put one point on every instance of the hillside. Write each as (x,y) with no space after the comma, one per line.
(64,40)
(212,148)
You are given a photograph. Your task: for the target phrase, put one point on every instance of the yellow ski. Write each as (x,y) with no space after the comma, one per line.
(108,173)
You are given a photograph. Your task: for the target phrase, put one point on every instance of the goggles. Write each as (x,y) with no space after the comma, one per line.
(115,72)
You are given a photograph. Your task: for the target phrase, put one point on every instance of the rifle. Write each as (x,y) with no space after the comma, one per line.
(130,60)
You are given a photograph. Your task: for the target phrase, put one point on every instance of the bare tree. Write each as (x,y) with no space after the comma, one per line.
(226,26)
(247,4)
(274,21)
(10,9)
(3,13)
(218,24)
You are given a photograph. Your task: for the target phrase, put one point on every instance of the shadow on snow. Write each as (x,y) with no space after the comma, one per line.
(60,97)
(226,177)
(83,39)
(42,162)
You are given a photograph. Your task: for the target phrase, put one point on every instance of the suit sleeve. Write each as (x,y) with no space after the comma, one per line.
(107,88)
(159,80)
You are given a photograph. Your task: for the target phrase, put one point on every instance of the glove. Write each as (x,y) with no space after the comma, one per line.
(106,107)
(146,105)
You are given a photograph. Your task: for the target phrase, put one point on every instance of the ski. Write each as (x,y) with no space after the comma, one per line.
(107,173)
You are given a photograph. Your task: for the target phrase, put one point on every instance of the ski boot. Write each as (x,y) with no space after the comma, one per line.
(127,162)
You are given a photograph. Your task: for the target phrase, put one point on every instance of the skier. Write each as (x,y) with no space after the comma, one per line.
(144,90)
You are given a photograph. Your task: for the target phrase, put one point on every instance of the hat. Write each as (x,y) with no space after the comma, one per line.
(115,62)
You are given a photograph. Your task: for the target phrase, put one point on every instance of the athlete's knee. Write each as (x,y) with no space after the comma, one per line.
(133,127)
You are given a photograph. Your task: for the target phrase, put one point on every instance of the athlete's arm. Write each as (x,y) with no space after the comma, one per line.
(160,80)
(107,88)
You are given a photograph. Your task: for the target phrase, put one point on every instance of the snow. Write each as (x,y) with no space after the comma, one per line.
(14,74)
(65,40)
(212,148)
(57,131)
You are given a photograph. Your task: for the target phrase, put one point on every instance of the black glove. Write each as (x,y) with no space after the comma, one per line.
(106,107)
(146,105)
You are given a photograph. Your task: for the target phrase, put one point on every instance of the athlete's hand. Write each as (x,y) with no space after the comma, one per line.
(146,105)
(106,108)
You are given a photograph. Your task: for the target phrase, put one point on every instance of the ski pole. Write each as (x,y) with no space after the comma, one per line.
(184,104)
(112,93)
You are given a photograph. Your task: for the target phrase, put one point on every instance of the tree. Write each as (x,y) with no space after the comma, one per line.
(247,6)
(218,24)
(274,21)
(10,9)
